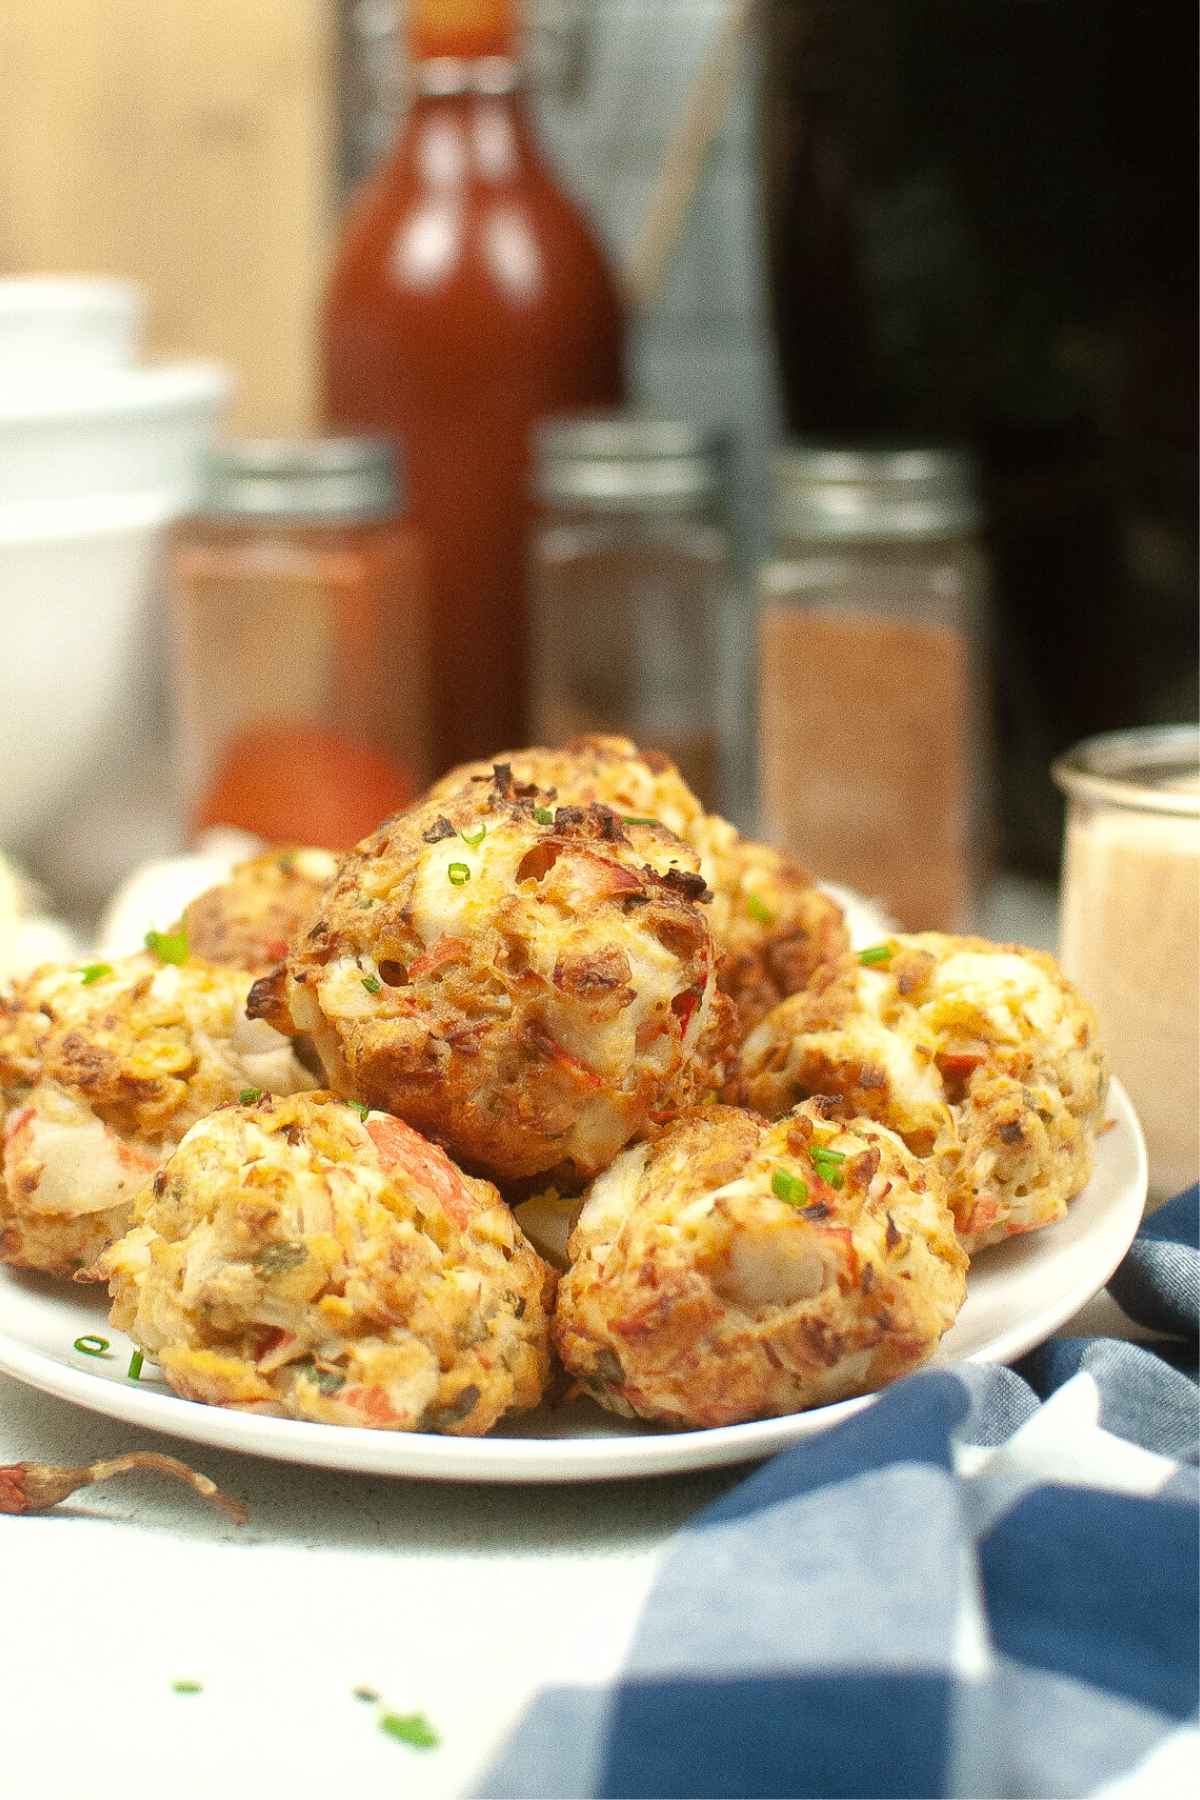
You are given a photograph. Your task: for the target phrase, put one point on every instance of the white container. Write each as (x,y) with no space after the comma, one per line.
(114,431)
(91,475)
(67,323)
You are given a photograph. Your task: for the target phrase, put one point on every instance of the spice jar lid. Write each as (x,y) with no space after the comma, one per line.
(295,480)
(852,491)
(624,461)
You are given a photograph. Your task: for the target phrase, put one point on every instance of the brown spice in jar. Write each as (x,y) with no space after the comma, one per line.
(865,755)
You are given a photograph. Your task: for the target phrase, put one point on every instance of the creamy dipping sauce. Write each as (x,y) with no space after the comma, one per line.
(1130,938)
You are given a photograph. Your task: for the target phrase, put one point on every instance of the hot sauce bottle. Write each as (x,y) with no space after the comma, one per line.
(469,298)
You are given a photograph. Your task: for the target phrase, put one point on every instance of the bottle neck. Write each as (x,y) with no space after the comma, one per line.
(462,31)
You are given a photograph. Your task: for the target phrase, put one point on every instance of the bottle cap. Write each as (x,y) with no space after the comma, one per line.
(622,461)
(851,491)
(299,480)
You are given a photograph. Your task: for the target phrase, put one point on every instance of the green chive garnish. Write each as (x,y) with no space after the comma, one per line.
(633,819)
(878,953)
(543,815)
(360,1108)
(474,838)
(94,972)
(759,911)
(372,984)
(459,874)
(365,1693)
(168,946)
(789,1187)
(828,1164)
(410,1728)
(135,1366)
(91,1345)
(187,1687)
(248,1096)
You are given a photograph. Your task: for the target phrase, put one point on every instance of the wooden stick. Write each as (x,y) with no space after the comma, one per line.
(696,130)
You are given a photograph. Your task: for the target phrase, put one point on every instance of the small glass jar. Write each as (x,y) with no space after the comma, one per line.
(300,597)
(872,693)
(1129,929)
(631,570)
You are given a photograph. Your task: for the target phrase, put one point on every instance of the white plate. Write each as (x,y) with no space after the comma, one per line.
(1019,1294)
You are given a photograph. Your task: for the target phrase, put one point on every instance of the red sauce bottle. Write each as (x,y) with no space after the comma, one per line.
(468,299)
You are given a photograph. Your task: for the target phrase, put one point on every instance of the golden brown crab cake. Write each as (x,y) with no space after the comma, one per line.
(294,1256)
(773,925)
(530,985)
(981,1055)
(776,929)
(640,785)
(250,920)
(737,1270)
(102,1070)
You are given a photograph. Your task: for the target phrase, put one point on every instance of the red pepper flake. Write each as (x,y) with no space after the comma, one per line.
(30,1487)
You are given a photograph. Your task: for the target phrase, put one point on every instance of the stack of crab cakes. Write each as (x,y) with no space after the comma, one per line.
(539,980)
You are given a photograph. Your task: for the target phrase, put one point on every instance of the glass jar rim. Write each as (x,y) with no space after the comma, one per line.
(1129,768)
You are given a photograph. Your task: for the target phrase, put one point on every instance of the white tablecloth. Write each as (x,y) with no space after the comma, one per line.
(459,1602)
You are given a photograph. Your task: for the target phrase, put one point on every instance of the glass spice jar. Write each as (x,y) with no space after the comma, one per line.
(631,568)
(300,600)
(873,700)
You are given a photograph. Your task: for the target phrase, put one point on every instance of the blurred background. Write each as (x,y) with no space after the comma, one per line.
(868,328)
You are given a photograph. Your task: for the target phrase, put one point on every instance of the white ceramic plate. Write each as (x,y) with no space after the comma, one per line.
(1019,1294)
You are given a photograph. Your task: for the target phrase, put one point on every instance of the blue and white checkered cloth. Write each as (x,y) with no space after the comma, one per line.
(984,1585)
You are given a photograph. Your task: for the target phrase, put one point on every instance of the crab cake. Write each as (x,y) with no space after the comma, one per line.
(531,987)
(773,925)
(737,1270)
(980,1055)
(102,1070)
(294,1257)
(250,920)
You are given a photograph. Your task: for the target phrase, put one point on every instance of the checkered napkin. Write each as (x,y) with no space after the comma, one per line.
(984,1585)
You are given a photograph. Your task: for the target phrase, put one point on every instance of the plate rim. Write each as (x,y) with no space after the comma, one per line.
(498,1460)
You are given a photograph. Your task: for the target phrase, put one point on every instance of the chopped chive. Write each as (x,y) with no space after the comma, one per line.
(277,1259)
(94,972)
(248,1096)
(329,1381)
(828,1164)
(474,838)
(372,984)
(187,1687)
(360,1108)
(168,946)
(459,874)
(91,1345)
(634,819)
(135,1366)
(410,1728)
(789,1187)
(365,1693)
(878,953)
(759,911)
